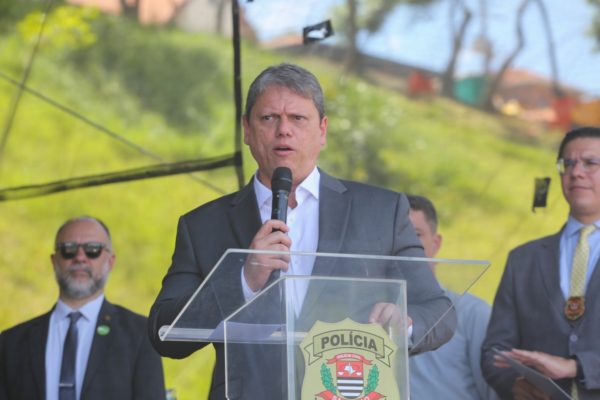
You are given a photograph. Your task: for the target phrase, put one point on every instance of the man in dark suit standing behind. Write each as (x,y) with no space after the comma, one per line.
(546,313)
(85,347)
(285,126)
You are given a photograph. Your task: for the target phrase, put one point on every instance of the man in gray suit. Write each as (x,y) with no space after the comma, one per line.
(108,355)
(536,317)
(285,125)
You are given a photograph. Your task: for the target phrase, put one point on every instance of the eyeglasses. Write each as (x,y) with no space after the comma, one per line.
(588,164)
(92,250)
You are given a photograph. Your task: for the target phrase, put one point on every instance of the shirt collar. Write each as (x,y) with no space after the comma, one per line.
(89,310)
(573,226)
(308,187)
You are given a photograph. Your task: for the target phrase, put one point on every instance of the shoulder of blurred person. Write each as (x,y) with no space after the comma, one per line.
(454,367)
(453,371)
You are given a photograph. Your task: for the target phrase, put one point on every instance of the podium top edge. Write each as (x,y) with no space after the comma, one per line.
(357,255)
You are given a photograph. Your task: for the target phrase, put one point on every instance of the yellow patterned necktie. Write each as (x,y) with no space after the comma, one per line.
(574,391)
(580,262)
(575,305)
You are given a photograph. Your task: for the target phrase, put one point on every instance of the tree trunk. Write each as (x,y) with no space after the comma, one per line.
(491,89)
(352,57)
(130,8)
(457,42)
(551,47)
(219,16)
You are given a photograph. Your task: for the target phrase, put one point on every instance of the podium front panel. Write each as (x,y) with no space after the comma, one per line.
(310,337)
(341,331)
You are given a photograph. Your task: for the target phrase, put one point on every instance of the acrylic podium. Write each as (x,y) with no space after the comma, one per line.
(309,337)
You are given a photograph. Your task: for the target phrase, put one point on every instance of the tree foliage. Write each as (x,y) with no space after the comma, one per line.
(12,11)
(147,63)
(66,29)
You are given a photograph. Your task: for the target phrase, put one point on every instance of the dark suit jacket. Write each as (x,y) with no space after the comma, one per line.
(353,218)
(528,314)
(122,364)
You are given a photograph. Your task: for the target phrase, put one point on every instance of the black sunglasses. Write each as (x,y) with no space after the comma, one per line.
(68,250)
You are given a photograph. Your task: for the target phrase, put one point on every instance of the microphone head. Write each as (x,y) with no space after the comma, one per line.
(281,180)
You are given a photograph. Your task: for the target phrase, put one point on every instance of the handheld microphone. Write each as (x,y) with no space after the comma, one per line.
(281,184)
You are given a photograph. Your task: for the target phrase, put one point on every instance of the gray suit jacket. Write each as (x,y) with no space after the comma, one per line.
(122,364)
(528,314)
(353,218)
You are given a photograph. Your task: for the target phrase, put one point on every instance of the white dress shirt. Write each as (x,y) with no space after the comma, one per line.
(57,331)
(303,221)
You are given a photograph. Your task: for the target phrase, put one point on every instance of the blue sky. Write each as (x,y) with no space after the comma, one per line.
(422,38)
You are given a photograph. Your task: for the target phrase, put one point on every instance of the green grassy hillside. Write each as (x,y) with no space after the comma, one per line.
(170,93)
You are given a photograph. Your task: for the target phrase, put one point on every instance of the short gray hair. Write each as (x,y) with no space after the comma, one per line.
(291,76)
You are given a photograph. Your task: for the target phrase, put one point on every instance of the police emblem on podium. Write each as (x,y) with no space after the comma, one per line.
(347,361)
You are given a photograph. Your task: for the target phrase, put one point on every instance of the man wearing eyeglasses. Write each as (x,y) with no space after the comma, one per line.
(546,313)
(85,347)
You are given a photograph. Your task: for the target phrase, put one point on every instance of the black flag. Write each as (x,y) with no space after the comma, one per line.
(317,32)
(540,194)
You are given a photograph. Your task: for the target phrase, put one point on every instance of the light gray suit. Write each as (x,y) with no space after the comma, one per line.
(353,218)
(528,314)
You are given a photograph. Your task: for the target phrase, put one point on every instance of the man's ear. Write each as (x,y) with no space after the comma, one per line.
(246,128)
(437,243)
(323,128)
(111,261)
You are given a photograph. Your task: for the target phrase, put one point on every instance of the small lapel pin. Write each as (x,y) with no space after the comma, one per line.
(103,330)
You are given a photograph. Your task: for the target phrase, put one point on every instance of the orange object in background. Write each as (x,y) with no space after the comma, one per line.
(562,107)
(150,12)
(586,114)
(419,84)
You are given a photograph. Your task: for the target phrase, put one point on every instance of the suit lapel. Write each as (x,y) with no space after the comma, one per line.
(244,217)
(334,211)
(101,344)
(37,346)
(244,220)
(549,270)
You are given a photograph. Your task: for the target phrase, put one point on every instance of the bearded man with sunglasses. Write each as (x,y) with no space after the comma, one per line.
(85,347)
(546,313)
